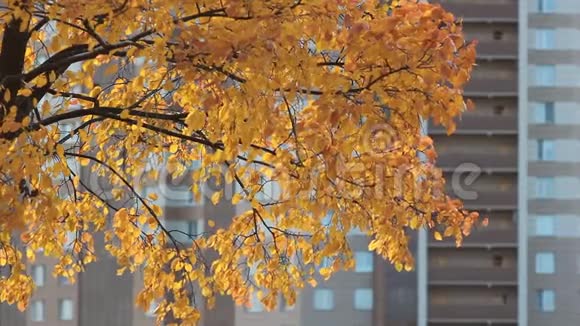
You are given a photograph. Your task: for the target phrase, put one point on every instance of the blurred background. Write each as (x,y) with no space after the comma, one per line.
(518,152)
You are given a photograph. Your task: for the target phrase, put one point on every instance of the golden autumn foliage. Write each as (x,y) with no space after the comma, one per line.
(323,98)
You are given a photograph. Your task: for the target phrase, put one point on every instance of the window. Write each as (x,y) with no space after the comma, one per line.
(176,195)
(65,309)
(323,299)
(355,231)
(504,298)
(497,260)
(255,303)
(544,187)
(327,219)
(326,262)
(66,130)
(177,191)
(545,263)
(270,191)
(37,310)
(151,310)
(498,109)
(545,39)
(285,306)
(71,237)
(546,300)
(38,274)
(364,262)
(363,299)
(545,150)
(182,229)
(544,226)
(545,75)
(545,113)
(546,6)
(63,280)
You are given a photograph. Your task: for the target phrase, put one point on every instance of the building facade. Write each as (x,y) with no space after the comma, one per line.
(477,284)
(552,235)
(516,160)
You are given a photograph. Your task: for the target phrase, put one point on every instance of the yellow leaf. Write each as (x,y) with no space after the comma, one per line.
(41,81)
(325,272)
(374,244)
(398,266)
(236,199)
(437,236)
(84,161)
(60,150)
(21,305)
(312,282)
(30,254)
(95,91)
(195,120)
(211,223)
(86,237)
(124,114)
(215,198)
(7,96)
(448,231)
(485,222)
(173,148)
(206,292)
(25,92)
(414,222)
(153,196)
(111,69)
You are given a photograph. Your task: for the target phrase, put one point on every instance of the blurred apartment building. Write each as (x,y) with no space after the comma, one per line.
(522,144)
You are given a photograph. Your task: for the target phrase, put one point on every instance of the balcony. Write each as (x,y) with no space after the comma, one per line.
(492,88)
(484,161)
(547,206)
(472,276)
(483,191)
(470,313)
(482,238)
(554,93)
(481,124)
(563,131)
(489,199)
(482,12)
(497,50)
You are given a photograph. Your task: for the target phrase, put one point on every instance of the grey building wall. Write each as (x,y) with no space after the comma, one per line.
(553,233)
(104,297)
(477,284)
(9,315)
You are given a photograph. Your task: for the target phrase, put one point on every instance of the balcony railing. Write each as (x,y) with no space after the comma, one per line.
(472,276)
(491,87)
(475,12)
(482,238)
(484,199)
(500,50)
(473,313)
(483,161)
(477,124)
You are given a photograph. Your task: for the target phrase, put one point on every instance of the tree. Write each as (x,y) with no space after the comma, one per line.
(323,98)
